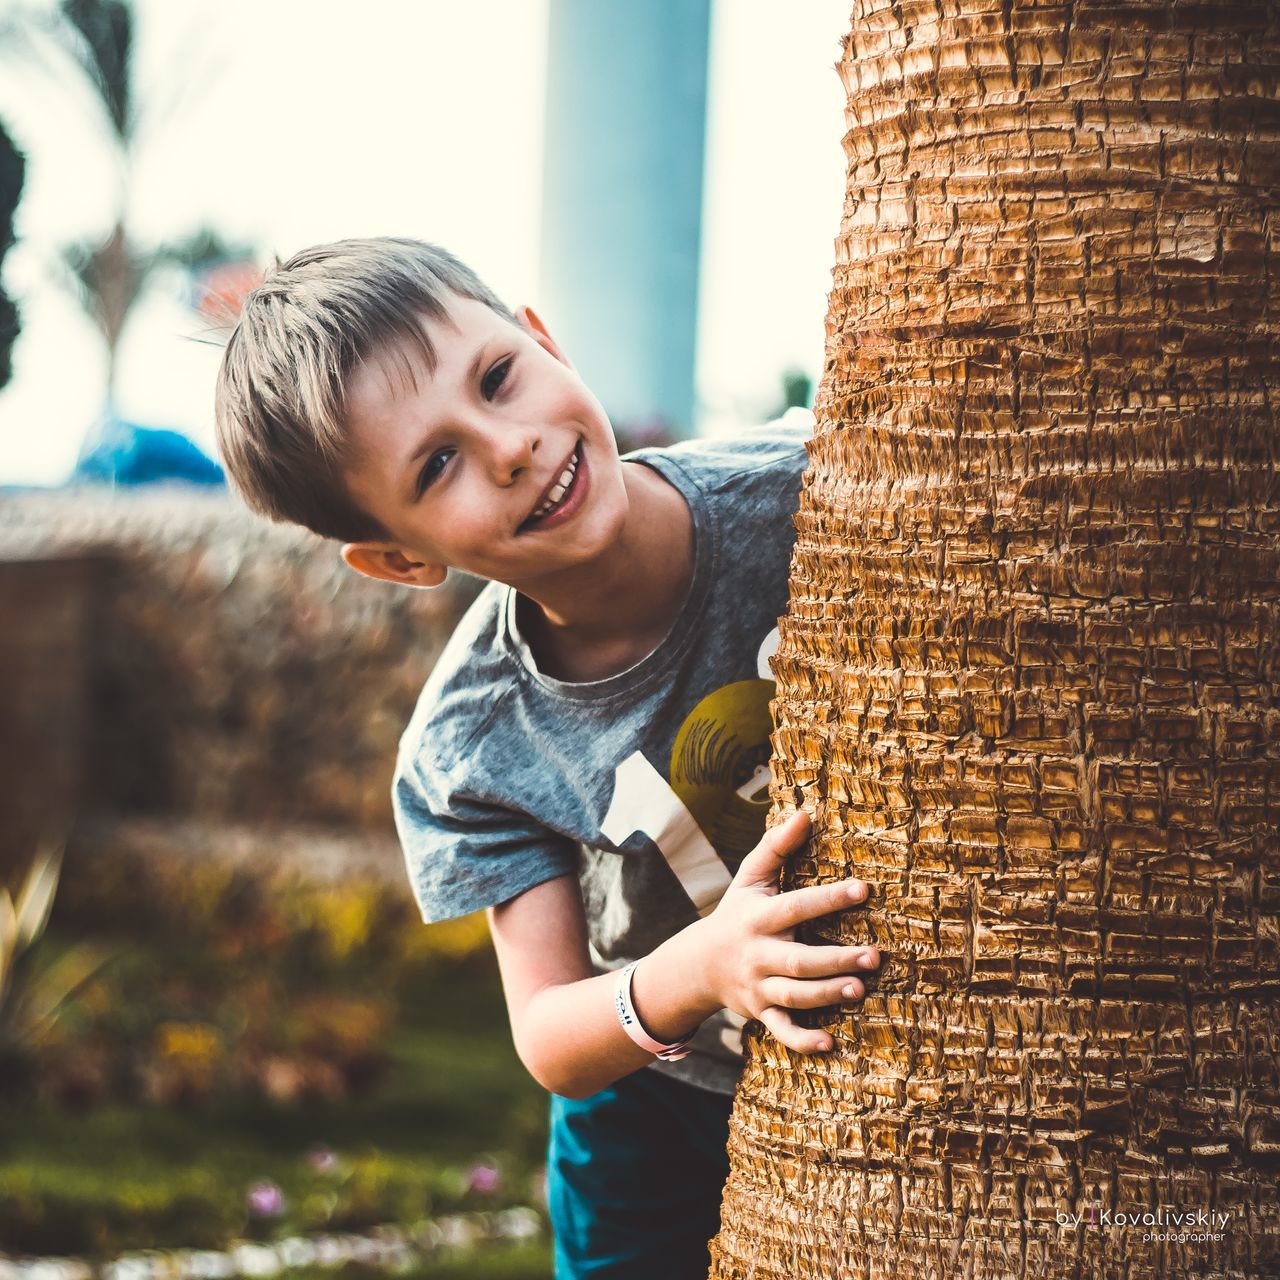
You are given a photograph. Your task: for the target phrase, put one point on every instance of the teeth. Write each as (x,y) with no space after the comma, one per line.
(559,488)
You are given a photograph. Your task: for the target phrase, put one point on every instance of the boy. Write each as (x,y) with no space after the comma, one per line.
(587,761)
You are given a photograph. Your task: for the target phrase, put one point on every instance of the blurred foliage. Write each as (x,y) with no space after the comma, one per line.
(228,982)
(457,1126)
(797,391)
(95,40)
(35,996)
(12,168)
(98,35)
(265,1056)
(108,276)
(513,1262)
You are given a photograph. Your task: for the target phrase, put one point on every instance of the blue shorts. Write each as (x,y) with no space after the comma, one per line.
(634,1179)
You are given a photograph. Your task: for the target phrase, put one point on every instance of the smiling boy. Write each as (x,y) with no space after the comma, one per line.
(587,760)
(504,396)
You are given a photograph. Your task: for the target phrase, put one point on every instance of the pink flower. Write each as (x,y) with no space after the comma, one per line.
(265,1199)
(322,1160)
(483,1178)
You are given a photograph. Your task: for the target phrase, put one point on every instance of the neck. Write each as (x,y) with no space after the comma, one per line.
(634,590)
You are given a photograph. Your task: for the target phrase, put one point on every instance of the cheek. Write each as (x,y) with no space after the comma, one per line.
(564,397)
(468,522)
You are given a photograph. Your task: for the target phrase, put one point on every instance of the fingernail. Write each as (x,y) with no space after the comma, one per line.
(869,957)
(850,990)
(857,890)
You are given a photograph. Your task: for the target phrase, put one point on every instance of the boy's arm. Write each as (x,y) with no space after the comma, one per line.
(563,1021)
(742,957)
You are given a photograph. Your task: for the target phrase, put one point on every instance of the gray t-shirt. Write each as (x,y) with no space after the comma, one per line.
(649,785)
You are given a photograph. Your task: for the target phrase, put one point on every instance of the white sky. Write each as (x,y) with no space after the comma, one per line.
(287,122)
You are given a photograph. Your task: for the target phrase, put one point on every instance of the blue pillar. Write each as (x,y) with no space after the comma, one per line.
(622,199)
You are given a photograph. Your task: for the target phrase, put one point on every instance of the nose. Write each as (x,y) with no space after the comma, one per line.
(511,450)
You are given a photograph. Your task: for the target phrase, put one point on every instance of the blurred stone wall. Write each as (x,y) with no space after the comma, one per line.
(45,630)
(234,671)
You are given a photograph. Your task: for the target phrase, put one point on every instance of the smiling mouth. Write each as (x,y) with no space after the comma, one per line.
(559,492)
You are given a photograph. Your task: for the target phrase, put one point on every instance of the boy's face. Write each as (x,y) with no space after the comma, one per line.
(461,468)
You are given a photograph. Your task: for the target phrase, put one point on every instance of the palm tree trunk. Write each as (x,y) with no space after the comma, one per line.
(1029,683)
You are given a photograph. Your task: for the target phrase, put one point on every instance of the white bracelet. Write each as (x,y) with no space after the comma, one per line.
(632,1025)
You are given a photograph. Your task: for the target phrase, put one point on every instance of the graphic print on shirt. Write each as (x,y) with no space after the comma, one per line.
(717,797)
(720,765)
(714,802)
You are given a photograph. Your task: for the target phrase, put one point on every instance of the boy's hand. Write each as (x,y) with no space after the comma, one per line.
(754,965)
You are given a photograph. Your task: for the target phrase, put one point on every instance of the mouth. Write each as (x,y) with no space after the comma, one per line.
(560,495)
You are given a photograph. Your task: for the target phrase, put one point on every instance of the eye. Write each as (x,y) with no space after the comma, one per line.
(432,469)
(497,375)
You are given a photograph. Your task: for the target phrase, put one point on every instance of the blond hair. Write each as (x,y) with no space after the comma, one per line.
(280,402)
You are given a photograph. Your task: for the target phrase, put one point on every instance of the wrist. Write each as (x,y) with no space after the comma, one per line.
(698,956)
(634,1026)
(668,991)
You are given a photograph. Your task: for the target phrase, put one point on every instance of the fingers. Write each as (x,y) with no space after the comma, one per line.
(796,960)
(801,1039)
(790,994)
(796,993)
(790,909)
(762,864)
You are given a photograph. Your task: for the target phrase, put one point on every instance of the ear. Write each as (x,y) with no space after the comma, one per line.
(387,562)
(531,323)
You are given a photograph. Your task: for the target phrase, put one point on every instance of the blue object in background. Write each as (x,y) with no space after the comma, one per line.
(128,454)
(622,200)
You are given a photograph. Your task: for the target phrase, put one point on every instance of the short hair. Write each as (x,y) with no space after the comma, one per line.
(280,403)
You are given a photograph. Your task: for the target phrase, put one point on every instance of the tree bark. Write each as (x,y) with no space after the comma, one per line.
(1029,681)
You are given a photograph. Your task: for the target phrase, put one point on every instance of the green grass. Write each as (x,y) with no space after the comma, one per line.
(133,1176)
(510,1262)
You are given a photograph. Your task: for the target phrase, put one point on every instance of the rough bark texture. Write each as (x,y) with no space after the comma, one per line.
(1029,679)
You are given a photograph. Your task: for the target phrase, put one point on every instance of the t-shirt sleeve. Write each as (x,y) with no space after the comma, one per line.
(464,853)
(793,428)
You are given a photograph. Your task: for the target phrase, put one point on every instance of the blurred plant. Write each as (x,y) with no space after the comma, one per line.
(265,1199)
(312,929)
(12,166)
(483,1178)
(32,997)
(185,1061)
(231,982)
(95,40)
(108,277)
(797,390)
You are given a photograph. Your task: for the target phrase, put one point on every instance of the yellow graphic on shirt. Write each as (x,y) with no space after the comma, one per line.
(720,765)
